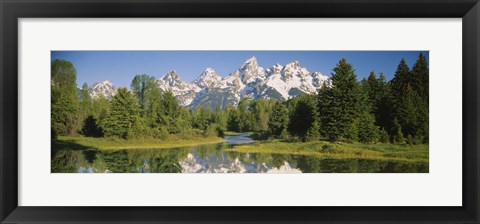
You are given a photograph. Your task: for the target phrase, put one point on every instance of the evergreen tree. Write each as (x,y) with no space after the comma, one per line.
(339,105)
(303,116)
(152,106)
(278,120)
(401,79)
(420,78)
(407,111)
(384,138)
(247,121)
(220,118)
(201,118)
(420,73)
(367,130)
(91,127)
(100,109)
(172,116)
(383,109)
(233,119)
(123,114)
(373,88)
(313,133)
(410,91)
(398,134)
(327,110)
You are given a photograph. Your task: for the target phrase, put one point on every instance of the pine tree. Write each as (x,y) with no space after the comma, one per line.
(201,118)
(407,111)
(398,134)
(233,119)
(278,120)
(100,109)
(339,105)
(171,114)
(313,133)
(367,130)
(401,79)
(384,138)
(123,114)
(246,117)
(91,128)
(327,110)
(303,116)
(153,107)
(420,78)
(410,91)
(383,110)
(373,88)
(220,118)
(420,73)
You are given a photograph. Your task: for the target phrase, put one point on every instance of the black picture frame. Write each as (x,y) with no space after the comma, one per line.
(11,11)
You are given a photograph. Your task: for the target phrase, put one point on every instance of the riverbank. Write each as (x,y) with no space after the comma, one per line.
(232,133)
(321,149)
(81,143)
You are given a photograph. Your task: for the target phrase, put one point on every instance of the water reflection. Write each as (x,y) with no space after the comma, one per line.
(215,159)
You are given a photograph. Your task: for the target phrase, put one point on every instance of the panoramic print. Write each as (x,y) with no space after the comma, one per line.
(240,112)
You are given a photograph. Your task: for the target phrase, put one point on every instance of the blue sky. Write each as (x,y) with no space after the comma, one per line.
(121,66)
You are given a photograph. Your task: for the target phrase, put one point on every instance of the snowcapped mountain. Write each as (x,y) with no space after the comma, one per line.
(185,92)
(280,82)
(105,88)
(250,72)
(249,80)
(208,79)
(291,80)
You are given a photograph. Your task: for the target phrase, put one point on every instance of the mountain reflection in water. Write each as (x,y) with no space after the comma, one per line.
(214,158)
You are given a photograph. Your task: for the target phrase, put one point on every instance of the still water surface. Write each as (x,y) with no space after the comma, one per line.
(214,158)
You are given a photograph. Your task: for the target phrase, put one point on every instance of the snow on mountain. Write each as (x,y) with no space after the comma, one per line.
(291,80)
(251,72)
(193,163)
(185,92)
(104,88)
(280,82)
(208,79)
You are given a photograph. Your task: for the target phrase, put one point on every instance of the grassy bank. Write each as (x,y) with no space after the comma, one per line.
(410,153)
(232,133)
(81,142)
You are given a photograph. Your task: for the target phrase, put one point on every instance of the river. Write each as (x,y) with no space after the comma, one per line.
(212,158)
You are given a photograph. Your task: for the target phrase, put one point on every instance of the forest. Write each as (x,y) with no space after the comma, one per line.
(371,110)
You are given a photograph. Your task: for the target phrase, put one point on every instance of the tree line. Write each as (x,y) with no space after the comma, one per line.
(370,110)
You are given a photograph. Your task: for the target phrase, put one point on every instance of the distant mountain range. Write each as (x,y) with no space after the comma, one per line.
(249,80)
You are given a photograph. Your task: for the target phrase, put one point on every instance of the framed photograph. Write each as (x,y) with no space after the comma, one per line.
(247,112)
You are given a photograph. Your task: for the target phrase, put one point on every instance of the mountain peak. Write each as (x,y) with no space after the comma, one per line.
(252,59)
(106,82)
(172,77)
(207,79)
(210,70)
(293,65)
(250,71)
(104,88)
(250,80)
(172,73)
